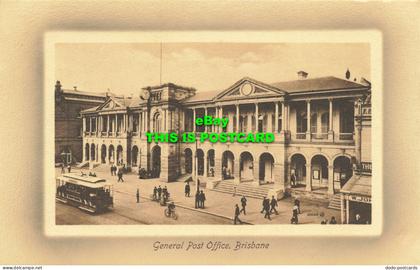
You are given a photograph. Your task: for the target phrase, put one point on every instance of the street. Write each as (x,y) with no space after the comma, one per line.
(219,207)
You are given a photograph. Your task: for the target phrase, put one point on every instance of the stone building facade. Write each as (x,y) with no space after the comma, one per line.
(317,138)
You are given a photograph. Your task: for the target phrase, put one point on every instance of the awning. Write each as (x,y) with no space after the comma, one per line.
(358,185)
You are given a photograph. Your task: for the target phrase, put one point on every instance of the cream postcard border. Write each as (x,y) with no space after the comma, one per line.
(373,37)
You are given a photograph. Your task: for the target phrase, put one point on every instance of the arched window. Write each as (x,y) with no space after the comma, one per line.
(157,122)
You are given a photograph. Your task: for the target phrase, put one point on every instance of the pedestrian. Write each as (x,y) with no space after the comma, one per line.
(333,221)
(237,212)
(63,168)
(197,199)
(263,201)
(114,169)
(358,219)
(69,168)
(155,193)
(273,204)
(159,191)
(297,203)
(324,221)
(295,219)
(243,203)
(164,192)
(202,199)
(138,195)
(234,191)
(120,175)
(223,172)
(293,179)
(266,206)
(187,189)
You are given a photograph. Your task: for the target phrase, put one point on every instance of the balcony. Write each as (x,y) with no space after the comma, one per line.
(345,136)
(319,136)
(300,136)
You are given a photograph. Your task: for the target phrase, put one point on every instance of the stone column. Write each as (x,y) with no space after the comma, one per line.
(342,208)
(205,113)
(330,118)
(165,120)
(347,211)
(331,180)
(308,177)
(256,117)
(116,124)
(217,168)
(276,118)
(236,170)
(256,171)
(84,125)
(308,120)
(107,125)
(237,117)
(283,117)
(146,121)
(194,120)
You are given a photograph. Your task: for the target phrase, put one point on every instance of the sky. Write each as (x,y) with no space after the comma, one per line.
(125,68)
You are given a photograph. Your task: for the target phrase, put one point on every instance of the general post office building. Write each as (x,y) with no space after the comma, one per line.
(320,136)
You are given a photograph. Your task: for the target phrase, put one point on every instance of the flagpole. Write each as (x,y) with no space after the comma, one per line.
(160,71)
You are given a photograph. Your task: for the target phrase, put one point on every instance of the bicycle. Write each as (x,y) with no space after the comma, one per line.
(172,214)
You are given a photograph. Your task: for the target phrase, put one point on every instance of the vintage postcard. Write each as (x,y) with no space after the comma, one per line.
(213,133)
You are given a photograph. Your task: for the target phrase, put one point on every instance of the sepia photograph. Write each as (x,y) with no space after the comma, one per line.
(204,134)
(213,133)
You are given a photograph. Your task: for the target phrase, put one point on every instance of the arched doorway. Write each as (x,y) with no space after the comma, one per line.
(120,160)
(134,156)
(319,166)
(266,167)
(188,160)
(92,152)
(342,170)
(246,166)
(298,169)
(111,154)
(200,162)
(156,161)
(103,153)
(87,156)
(227,165)
(210,163)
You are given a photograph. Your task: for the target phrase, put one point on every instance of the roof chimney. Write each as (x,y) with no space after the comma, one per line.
(75,88)
(348,74)
(58,86)
(302,75)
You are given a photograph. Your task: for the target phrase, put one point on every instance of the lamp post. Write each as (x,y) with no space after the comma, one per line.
(197,182)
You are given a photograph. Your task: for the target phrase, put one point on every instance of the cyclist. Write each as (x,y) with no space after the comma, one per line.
(171,208)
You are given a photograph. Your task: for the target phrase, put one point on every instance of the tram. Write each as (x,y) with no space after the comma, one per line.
(88,193)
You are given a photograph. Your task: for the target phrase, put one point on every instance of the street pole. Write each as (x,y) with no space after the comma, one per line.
(196,166)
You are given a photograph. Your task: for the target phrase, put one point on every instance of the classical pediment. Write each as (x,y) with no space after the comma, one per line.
(110,104)
(249,88)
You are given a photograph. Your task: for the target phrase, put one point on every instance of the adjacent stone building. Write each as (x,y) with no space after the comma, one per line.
(68,121)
